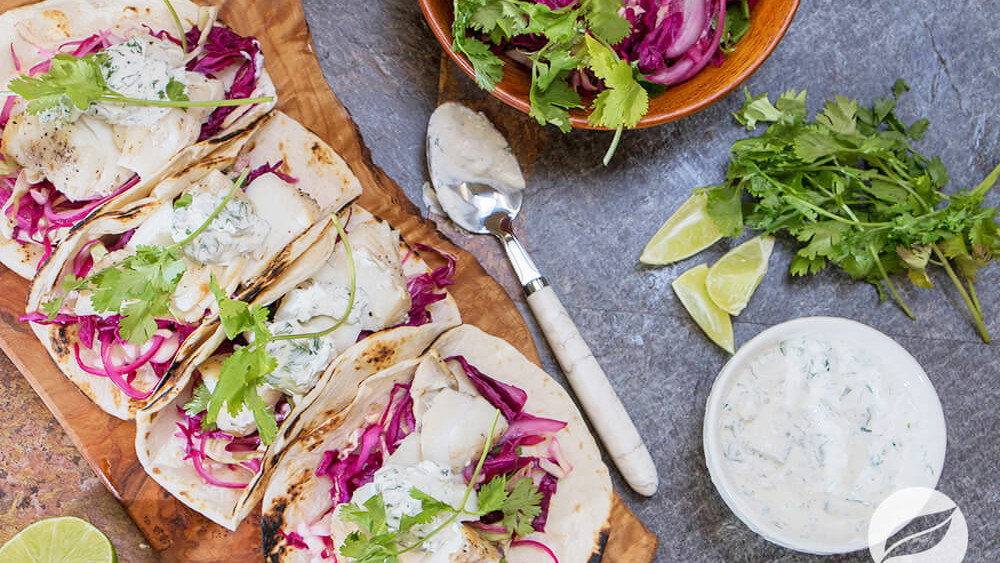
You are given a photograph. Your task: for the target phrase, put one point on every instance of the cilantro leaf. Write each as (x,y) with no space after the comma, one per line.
(199,400)
(175,91)
(521,507)
(604,20)
(183,201)
(78,81)
(493,495)
(624,102)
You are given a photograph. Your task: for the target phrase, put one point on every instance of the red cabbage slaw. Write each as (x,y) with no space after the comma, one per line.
(222,49)
(427,289)
(196,438)
(352,468)
(121,361)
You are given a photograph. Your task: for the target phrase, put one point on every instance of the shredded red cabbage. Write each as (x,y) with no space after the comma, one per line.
(293,539)
(195,438)
(425,289)
(349,470)
(268,168)
(671,41)
(224,48)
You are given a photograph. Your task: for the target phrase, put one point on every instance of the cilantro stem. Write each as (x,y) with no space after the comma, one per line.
(117,98)
(614,145)
(468,489)
(352,275)
(833,216)
(977,315)
(888,282)
(177,21)
(218,209)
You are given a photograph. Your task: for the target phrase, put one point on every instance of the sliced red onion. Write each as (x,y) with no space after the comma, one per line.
(537,545)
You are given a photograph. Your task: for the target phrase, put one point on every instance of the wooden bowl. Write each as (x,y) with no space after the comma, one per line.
(769,21)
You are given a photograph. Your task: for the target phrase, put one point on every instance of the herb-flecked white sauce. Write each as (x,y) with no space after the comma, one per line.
(815,434)
(464,146)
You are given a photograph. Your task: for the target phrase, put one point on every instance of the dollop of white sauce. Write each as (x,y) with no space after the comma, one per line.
(141,68)
(394,482)
(464,146)
(234,232)
(815,434)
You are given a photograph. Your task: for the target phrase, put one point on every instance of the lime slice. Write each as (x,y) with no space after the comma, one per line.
(714,322)
(732,280)
(688,231)
(59,540)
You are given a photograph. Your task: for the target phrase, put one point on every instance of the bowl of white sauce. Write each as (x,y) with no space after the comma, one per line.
(815,421)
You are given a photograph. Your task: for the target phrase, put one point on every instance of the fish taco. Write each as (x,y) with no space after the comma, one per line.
(469,453)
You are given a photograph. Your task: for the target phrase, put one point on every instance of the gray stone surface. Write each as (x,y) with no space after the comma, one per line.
(586,224)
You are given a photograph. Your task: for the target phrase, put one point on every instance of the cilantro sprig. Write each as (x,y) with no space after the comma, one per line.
(376,542)
(78,82)
(853,191)
(139,287)
(247,367)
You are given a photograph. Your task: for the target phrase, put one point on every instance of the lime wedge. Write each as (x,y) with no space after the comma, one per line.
(688,231)
(732,280)
(59,540)
(714,322)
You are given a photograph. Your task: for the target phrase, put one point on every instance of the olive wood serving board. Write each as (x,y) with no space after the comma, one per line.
(173,530)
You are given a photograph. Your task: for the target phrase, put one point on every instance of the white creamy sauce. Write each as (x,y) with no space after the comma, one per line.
(814,434)
(141,67)
(234,232)
(463,146)
(394,482)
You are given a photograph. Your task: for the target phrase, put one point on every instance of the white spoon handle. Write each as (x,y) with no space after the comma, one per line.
(592,388)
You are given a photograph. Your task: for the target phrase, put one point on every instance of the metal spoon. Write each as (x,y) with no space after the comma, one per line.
(481,208)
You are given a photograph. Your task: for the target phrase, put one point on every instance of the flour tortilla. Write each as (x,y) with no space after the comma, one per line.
(53,22)
(161,451)
(325,183)
(579,511)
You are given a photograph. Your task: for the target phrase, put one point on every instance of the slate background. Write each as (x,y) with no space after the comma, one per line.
(586,224)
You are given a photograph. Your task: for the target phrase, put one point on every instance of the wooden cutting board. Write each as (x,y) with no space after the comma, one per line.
(176,532)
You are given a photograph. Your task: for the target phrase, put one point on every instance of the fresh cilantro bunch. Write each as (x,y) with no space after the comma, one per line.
(579,36)
(850,187)
(141,286)
(376,542)
(78,83)
(247,367)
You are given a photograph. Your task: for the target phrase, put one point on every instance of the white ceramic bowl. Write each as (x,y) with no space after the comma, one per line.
(894,361)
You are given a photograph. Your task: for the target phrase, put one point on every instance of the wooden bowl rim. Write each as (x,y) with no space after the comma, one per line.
(441,27)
